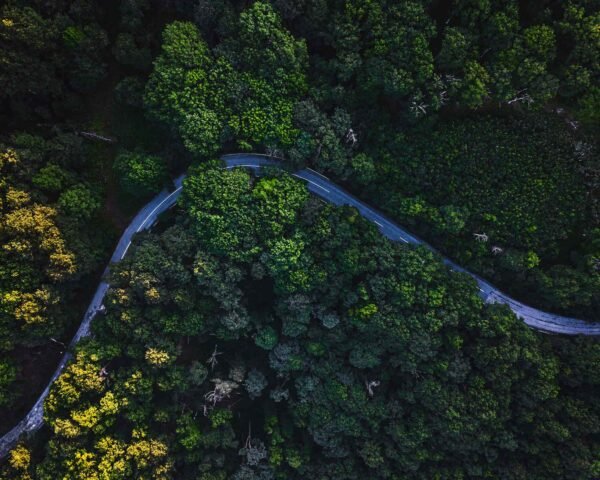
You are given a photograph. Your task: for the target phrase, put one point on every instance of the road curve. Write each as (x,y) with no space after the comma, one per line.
(321,186)
(144,219)
(329,191)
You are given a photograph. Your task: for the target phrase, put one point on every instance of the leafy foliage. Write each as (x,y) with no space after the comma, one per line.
(259,334)
(46,205)
(417,377)
(46,57)
(140,174)
(213,97)
(522,182)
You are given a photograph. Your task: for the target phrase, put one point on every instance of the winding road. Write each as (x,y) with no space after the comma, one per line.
(330,192)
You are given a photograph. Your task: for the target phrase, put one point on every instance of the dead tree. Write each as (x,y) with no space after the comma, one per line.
(521,97)
(443,97)
(351,137)
(450,79)
(222,391)
(371,385)
(248,442)
(418,109)
(212,360)
(52,339)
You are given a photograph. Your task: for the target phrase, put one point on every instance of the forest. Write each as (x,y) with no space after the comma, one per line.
(255,332)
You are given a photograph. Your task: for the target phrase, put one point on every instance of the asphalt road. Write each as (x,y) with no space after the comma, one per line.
(328,191)
(145,218)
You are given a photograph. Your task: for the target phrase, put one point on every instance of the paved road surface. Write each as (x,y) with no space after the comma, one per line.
(322,187)
(143,220)
(329,191)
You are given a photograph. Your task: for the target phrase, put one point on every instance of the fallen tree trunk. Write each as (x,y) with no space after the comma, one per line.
(95,136)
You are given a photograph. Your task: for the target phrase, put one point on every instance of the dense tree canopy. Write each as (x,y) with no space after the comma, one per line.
(264,335)
(46,205)
(257,333)
(215,97)
(48,55)
(139,174)
(418,56)
(523,182)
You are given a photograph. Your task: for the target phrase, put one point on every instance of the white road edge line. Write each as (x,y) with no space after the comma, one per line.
(248,166)
(317,185)
(311,182)
(156,208)
(33,419)
(293,174)
(322,188)
(125,251)
(317,173)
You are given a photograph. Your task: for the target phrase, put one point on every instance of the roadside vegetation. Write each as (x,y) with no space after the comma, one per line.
(61,204)
(511,193)
(53,240)
(256,333)
(512,198)
(262,334)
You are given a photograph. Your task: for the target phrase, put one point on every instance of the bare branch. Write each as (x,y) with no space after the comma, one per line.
(481,237)
(351,137)
(212,360)
(371,385)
